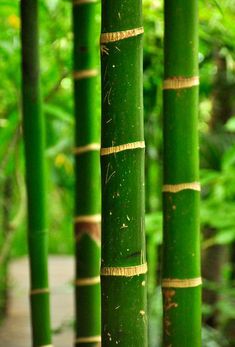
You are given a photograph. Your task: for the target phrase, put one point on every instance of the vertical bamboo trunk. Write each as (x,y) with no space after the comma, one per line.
(34,150)
(123,260)
(181,254)
(87,192)
(6,198)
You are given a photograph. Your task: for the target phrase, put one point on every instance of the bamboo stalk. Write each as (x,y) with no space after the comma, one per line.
(87,176)
(33,131)
(181,192)
(123,265)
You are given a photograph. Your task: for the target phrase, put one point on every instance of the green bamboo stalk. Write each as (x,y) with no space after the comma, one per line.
(33,131)
(123,259)
(181,251)
(87,192)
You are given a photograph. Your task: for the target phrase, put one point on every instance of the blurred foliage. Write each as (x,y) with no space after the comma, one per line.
(217,150)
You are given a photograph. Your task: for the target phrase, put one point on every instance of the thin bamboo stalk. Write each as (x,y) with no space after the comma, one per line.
(33,131)
(123,264)
(87,191)
(181,251)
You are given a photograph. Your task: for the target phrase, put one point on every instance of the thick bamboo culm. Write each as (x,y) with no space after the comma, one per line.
(123,264)
(181,191)
(33,132)
(87,176)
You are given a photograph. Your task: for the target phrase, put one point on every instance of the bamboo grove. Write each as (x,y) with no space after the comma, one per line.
(109,216)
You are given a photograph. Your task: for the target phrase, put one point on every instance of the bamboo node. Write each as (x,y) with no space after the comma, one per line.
(86,148)
(128,271)
(88,339)
(96,218)
(121,148)
(120,35)
(40,291)
(91,229)
(81,2)
(78,75)
(88,281)
(181,283)
(180,82)
(175,188)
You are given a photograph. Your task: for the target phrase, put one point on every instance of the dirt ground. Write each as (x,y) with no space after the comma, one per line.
(15,331)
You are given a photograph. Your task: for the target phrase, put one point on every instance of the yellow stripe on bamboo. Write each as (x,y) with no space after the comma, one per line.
(87,148)
(180,82)
(124,271)
(175,188)
(81,2)
(121,148)
(89,281)
(46,346)
(40,291)
(82,74)
(181,283)
(96,218)
(120,35)
(88,339)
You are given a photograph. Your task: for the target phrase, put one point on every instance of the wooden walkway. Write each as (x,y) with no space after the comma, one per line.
(15,331)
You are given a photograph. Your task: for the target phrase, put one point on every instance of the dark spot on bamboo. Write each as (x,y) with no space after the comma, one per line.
(136,254)
(83,49)
(168,295)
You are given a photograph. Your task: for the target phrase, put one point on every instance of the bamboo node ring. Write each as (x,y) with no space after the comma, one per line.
(82,74)
(40,291)
(121,148)
(180,82)
(86,148)
(95,218)
(120,35)
(181,283)
(81,2)
(88,339)
(128,271)
(81,282)
(175,188)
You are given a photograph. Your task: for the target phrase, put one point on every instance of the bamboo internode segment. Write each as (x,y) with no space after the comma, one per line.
(40,291)
(78,75)
(81,2)
(121,148)
(181,283)
(120,35)
(124,271)
(87,148)
(95,218)
(88,339)
(46,346)
(180,82)
(175,188)
(80,282)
